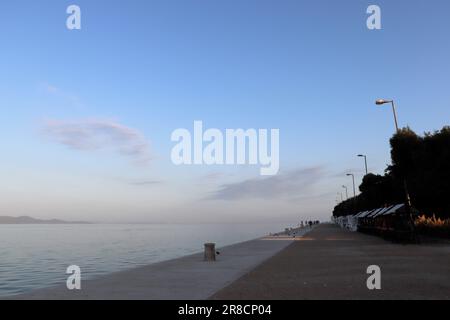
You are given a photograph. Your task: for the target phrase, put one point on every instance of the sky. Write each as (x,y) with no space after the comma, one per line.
(87,115)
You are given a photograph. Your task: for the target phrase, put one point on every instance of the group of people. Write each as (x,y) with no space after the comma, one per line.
(308,223)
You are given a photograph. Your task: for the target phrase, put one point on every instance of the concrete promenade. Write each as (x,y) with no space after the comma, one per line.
(331,263)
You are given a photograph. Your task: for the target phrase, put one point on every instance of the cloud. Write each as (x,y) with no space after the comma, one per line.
(212,178)
(343,174)
(88,135)
(51,89)
(59,96)
(287,185)
(146,182)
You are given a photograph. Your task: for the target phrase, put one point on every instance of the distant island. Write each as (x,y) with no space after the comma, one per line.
(29,220)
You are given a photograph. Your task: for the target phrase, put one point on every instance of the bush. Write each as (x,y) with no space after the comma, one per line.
(433,226)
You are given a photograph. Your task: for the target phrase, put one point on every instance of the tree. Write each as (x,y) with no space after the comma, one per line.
(423,162)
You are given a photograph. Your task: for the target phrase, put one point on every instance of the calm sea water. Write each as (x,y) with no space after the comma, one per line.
(35,256)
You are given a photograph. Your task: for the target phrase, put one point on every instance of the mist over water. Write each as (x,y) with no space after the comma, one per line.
(36,256)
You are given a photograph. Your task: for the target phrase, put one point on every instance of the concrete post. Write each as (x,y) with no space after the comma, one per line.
(210,252)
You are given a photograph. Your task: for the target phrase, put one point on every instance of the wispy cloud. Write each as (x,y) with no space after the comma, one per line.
(343,173)
(50,88)
(287,185)
(62,96)
(213,178)
(146,182)
(94,134)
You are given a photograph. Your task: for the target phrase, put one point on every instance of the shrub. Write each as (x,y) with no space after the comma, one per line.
(433,226)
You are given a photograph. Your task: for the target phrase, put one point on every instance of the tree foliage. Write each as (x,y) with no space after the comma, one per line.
(423,162)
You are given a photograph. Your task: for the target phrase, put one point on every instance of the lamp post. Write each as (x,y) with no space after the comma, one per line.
(354,189)
(380,102)
(342,197)
(346,192)
(365,161)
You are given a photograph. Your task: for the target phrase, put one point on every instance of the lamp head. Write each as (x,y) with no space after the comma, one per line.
(380,102)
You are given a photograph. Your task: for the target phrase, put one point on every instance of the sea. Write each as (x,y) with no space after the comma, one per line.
(37,256)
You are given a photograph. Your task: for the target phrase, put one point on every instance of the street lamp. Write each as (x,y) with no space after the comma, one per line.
(354,189)
(346,192)
(380,102)
(342,197)
(365,161)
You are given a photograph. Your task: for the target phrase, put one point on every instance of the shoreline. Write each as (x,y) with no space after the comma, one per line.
(174,279)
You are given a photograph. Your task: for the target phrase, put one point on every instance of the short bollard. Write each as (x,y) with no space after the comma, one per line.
(210,252)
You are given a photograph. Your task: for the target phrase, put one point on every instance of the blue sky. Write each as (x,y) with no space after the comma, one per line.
(141,69)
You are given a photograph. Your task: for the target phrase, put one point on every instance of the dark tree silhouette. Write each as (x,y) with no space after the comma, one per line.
(423,162)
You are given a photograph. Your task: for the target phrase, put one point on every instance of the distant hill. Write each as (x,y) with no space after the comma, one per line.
(29,220)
